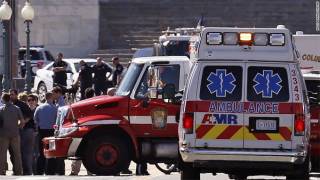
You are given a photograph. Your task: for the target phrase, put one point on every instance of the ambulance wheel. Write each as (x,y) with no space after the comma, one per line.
(106,156)
(302,171)
(189,173)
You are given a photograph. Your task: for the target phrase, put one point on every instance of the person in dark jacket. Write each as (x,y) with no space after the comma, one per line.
(118,69)
(85,78)
(100,70)
(60,71)
(26,134)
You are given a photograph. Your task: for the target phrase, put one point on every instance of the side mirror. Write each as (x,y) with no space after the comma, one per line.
(153,76)
(168,91)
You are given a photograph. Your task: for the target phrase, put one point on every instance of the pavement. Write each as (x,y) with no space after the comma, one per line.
(155,174)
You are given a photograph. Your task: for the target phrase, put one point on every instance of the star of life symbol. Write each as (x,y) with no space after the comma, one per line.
(221,83)
(267,83)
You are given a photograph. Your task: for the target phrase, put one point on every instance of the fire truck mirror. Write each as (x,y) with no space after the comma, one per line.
(153,93)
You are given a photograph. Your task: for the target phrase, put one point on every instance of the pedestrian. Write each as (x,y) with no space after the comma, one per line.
(76,164)
(60,72)
(58,96)
(33,104)
(59,102)
(11,119)
(26,133)
(45,117)
(23,97)
(100,79)
(85,78)
(89,93)
(116,77)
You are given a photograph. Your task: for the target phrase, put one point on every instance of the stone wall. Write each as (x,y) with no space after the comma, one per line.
(68,26)
(121,19)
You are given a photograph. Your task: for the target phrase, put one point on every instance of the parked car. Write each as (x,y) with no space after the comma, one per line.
(40,57)
(43,81)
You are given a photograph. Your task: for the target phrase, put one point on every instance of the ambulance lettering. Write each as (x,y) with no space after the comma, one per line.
(240,107)
(219,119)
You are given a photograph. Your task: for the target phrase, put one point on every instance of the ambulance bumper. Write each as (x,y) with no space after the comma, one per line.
(194,154)
(55,147)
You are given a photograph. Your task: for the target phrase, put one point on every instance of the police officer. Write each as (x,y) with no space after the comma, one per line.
(100,82)
(60,71)
(116,77)
(85,78)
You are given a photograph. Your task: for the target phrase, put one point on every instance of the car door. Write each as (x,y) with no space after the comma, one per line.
(155,117)
(219,112)
(268,116)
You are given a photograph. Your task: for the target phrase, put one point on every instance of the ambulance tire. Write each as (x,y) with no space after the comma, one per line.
(302,171)
(106,156)
(188,172)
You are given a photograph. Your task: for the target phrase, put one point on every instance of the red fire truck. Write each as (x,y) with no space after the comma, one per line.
(138,123)
(309,57)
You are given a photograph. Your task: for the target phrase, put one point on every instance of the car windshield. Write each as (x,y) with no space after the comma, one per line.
(35,55)
(129,79)
(77,65)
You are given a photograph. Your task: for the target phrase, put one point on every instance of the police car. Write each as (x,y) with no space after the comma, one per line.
(245,109)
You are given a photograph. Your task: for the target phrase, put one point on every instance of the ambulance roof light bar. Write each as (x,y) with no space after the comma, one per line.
(245,38)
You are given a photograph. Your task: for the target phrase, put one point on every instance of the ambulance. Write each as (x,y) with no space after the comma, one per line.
(308,46)
(245,108)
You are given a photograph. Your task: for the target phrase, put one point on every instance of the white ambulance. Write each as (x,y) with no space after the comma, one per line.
(245,109)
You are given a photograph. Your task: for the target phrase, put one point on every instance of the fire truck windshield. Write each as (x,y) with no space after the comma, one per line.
(177,48)
(129,79)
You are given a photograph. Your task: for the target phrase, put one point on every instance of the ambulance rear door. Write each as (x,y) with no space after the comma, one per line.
(218,114)
(268,110)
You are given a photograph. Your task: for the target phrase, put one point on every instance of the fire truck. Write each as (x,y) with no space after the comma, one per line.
(309,57)
(138,123)
(171,43)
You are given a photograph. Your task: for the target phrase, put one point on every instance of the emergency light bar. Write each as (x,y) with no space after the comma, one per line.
(245,38)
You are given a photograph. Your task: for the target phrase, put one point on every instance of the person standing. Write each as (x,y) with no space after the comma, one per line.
(11,119)
(45,117)
(26,133)
(100,70)
(60,71)
(116,77)
(33,104)
(85,78)
(59,102)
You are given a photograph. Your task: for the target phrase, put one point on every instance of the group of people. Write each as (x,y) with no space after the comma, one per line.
(95,76)
(23,124)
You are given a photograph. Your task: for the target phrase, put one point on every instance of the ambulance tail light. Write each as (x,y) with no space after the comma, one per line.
(299,124)
(276,39)
(188,123)
(245,39)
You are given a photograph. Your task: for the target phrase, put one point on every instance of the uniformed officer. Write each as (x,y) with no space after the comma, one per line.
(60,71)
(100,82)
(85,78)
(116,78)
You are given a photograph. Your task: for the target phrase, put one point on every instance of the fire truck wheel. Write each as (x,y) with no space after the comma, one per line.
(301,171)
(106,156)
(189,173)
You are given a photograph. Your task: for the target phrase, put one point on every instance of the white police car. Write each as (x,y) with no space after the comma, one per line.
(245,109)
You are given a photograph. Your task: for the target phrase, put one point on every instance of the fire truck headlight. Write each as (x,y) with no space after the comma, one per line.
(276,39)
(230,38)
(214,38)
(260,39)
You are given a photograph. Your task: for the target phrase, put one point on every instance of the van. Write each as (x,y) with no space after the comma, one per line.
(245,109)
